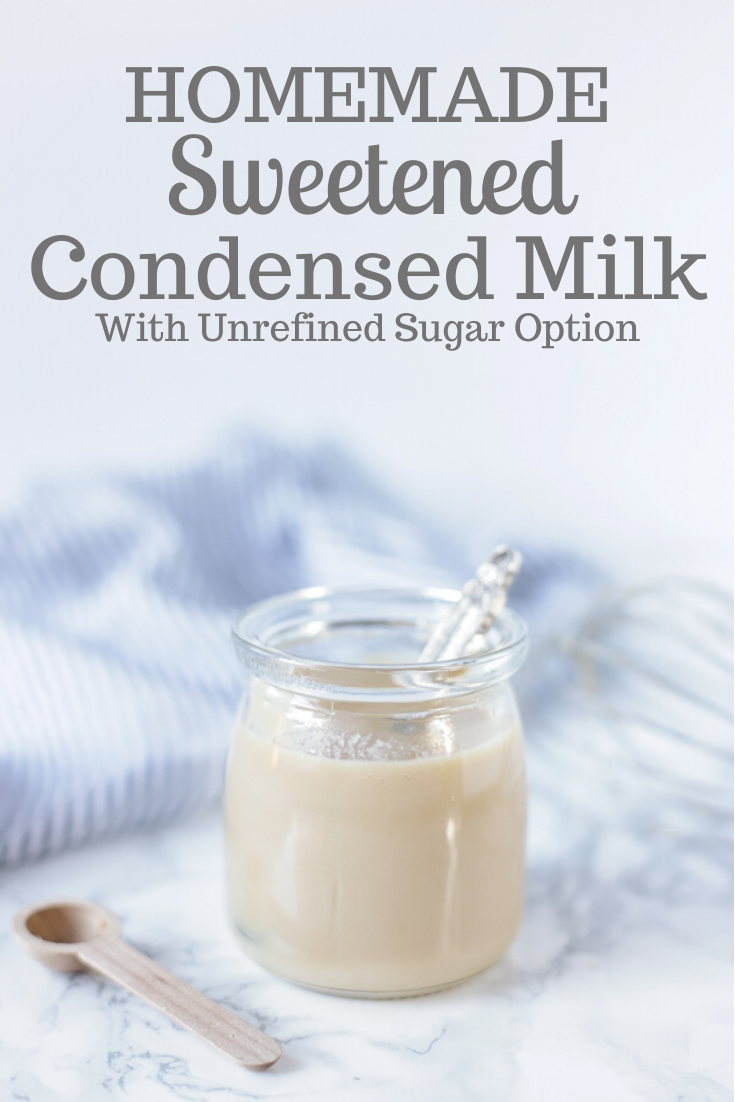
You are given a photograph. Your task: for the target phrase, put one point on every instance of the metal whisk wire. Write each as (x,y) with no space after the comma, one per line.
(654,664)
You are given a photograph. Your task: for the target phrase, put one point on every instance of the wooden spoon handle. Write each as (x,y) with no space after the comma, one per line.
(141,975)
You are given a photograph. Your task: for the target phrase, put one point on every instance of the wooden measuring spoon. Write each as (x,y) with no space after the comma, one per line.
(71,936)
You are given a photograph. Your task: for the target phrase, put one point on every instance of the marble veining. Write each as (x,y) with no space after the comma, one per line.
(618,988)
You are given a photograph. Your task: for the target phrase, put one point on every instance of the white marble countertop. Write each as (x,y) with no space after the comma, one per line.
(618,988)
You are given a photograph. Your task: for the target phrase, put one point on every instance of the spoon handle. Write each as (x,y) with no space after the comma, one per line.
(119,961)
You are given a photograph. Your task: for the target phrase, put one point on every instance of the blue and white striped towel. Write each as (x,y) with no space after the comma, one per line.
(117,684)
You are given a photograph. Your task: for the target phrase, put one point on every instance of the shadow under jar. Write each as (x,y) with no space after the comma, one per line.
(375,806)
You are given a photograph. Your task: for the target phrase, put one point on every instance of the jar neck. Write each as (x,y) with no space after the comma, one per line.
(295,698)
(334,644)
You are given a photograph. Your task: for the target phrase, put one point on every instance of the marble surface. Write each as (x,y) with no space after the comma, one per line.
(618,988)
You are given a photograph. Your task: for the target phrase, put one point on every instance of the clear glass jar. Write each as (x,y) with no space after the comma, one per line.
(375,806)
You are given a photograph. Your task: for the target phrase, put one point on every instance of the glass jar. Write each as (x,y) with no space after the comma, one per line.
(375,806)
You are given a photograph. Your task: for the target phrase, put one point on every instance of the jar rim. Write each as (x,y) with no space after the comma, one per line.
(257,630)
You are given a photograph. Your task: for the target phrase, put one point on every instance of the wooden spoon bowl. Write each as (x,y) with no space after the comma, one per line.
(52,933)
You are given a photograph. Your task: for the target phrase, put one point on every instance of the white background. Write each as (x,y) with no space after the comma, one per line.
(618,450)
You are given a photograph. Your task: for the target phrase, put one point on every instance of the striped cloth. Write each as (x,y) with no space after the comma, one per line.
(117,683)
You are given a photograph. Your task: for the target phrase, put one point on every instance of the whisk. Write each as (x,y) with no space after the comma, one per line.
(654,667)
(651,689)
